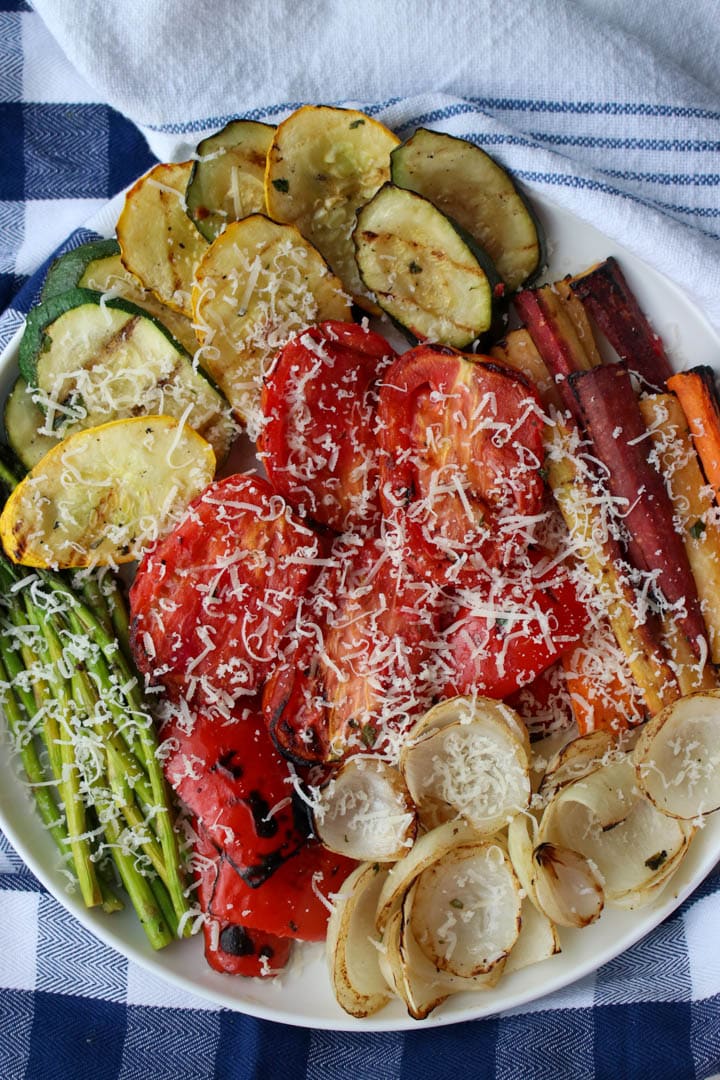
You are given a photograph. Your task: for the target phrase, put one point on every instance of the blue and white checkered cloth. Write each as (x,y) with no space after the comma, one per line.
(644,168)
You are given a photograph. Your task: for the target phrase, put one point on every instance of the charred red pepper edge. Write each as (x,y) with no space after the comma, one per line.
(230,947)
(292,903)
(240,780)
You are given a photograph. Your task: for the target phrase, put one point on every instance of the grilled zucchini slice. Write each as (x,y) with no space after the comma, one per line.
(24,421)
(93,360)
(72,269)
(98,266)
(159,243)
(429,278)
(104,494)
(259,284)
(323,165)
(227,182)
(472,189)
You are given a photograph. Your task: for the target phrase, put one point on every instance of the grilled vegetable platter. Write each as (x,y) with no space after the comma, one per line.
(361,580)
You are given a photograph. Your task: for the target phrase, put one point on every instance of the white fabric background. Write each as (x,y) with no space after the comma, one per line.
(164,62)
(613,109)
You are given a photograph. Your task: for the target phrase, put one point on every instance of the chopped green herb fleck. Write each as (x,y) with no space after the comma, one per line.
(656,861)
(368,734)
(356,123)
(282,184)
(415,268)
(697,529)
(456,903)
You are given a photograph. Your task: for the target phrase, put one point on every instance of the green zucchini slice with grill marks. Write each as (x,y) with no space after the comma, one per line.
(227,182)
(91,360)
(97,265)
(24,423)
(429,277)
(471,188)
(73,269)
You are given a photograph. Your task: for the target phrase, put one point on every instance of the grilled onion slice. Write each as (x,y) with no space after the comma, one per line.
(466,708)
(567,887)
(575,760)
(677,757)
(560,884)
(465,912)
(426,850)
(354,960)
(538,940)
(521,841)
(608,820)
(365,812)
(421,984)
(469,761)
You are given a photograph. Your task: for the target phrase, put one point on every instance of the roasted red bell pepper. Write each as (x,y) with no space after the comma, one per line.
(230,947)
(234,780)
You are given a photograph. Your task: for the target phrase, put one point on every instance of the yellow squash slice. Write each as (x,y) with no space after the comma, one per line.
(323,165)
(104,494)
(158,242)
(258,285)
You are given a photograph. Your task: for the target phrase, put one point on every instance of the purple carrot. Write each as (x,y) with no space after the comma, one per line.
(558,351)
(608,298)
(615,426)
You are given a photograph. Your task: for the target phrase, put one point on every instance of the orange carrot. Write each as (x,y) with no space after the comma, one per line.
(698,397)
(608,703)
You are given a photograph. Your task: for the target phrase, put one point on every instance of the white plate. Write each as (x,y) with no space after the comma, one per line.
(304,997)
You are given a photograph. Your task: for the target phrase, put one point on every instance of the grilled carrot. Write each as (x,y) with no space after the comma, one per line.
(692,503)
(600,552)
(605,704)
(614,423)
(698,396)
(610,301)
(518,351)
(556,338)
